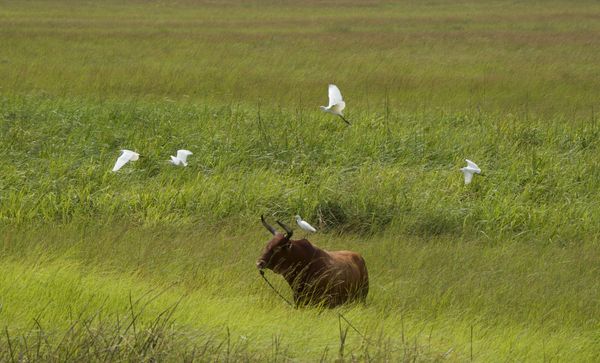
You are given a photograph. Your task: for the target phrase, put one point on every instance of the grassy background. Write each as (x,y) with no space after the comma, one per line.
(497,55)
(157,261)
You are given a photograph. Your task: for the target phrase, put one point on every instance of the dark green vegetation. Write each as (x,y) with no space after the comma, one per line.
(157,261)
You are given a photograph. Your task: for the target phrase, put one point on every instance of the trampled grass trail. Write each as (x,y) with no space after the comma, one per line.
(158,263)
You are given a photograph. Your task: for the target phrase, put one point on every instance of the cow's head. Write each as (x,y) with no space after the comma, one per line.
(277,254)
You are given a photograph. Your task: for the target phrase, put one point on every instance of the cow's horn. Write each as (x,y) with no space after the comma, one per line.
(287,229)
(267,226)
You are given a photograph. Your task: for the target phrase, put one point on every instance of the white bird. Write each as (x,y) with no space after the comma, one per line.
(126,156)
(181,158)
(336,103)
(469,170)
(304,225)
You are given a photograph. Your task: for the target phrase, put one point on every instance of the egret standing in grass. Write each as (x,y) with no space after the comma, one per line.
(336,103)
(181,158)
(304,225)
(469,170)
(126,156)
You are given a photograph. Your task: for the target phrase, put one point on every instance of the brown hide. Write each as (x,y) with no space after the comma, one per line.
(316,276)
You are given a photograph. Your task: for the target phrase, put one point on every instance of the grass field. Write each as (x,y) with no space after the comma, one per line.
(157,262)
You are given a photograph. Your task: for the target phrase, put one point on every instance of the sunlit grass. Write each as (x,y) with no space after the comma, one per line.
(521,300)
(157,262)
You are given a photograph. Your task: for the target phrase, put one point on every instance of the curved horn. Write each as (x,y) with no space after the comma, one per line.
(287,229)
(267,226)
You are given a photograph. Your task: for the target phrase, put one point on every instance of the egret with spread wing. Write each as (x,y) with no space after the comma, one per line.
(469,170)
(336,103)
(126,156)
(181,158)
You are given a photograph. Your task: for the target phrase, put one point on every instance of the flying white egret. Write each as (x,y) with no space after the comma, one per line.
(181,158)
(336,103)
(469,170)
(126,156)
(304,225)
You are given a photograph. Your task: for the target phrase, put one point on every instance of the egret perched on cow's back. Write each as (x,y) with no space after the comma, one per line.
(181,158)
(469,170)
(336,103)
(126,156)
(304,225)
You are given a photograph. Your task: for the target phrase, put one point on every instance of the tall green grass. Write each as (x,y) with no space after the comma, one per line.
(522,301)
(513,256)
(157,262)
(388,170)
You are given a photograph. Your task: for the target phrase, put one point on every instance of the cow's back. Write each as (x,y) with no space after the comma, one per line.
(344,278)
(320,277)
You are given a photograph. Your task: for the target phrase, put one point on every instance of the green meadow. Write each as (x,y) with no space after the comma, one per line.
(157,263)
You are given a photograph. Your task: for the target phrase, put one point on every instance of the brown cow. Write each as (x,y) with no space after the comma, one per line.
(316,276)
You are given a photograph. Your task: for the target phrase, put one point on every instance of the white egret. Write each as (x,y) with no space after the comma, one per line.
(336,103)
(469,170)
(304,225)
(126,156)
(181,158)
